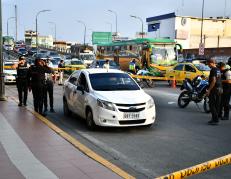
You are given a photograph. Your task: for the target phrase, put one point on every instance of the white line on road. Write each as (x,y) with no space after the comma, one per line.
(20,155)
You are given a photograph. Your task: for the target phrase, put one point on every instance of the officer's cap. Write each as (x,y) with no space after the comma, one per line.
(22,58)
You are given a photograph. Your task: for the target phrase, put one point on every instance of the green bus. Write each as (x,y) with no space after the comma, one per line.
(149,52)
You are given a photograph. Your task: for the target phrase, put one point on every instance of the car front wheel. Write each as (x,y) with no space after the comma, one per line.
(66,110)
(89,120)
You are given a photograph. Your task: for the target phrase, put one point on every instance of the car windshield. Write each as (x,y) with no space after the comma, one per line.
(22,50)
(76,62)
(112,82)
(87,57)
(54,54)
(111,63)
(202,67)
(55,62)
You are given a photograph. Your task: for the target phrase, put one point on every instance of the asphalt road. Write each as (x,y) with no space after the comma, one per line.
(180,138)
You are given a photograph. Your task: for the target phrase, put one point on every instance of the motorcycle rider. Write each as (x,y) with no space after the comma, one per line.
(225,98)
(214,91)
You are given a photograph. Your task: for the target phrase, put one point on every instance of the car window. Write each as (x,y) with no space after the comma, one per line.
(74,78)
(82,81)
(179,67)
(189,68)
(112,82)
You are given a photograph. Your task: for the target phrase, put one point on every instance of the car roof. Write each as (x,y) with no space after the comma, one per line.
(101,70)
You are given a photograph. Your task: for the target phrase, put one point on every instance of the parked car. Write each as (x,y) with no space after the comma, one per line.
(101,62)
(10,73)
(22,51)
(73,63)
(8,47)
(107,98)
(187,70)
(32,51)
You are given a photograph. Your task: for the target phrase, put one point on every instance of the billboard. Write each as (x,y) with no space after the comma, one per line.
(101,37)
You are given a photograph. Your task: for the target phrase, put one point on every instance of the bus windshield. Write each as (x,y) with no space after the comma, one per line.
(163,56)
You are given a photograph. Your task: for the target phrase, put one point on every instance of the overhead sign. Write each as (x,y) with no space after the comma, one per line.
(101,37)
(201,49)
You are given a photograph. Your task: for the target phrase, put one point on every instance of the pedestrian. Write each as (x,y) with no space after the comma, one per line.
(225,98)
(132,66)
(36,80)
(106,65)
(214,91)
(49,89)
(21,80)
(60,65)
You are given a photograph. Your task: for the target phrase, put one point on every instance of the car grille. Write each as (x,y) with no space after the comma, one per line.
(131,110)
(131,107)
(130,122)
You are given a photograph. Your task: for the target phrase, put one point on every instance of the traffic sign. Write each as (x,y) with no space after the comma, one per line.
(201,49)
(101,37)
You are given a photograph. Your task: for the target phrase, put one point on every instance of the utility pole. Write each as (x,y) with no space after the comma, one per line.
(2,84)
(16,22)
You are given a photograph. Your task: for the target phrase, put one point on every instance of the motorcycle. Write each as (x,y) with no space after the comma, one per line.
(194,91)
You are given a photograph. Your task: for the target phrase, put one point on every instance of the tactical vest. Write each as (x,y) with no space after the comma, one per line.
(22,71)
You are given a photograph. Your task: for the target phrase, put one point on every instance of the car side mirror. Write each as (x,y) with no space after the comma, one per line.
(80,88)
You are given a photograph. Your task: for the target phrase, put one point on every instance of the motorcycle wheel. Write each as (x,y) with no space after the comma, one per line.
(206,105)
(183,99)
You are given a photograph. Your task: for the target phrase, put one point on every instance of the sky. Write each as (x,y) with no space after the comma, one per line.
(66,13)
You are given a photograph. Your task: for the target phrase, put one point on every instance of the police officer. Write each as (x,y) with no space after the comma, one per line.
(225,98)
(36,79)
(21,80)
(132,66)
(61,65)
(49,88)
(214,91)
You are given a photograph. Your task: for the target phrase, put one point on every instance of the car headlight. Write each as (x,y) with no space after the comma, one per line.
(106,104)
(150,103)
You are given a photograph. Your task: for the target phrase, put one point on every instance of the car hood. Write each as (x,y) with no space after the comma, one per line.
(123,97)
(12,72)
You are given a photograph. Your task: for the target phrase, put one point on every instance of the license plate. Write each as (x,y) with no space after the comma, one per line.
(131,115)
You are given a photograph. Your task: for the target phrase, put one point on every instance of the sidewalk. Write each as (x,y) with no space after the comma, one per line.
(30,149)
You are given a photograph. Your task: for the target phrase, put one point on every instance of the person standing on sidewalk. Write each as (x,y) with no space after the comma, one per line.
(49,88)
(61,65)
(36,80)
(21,80)
(214,91)
(225,98)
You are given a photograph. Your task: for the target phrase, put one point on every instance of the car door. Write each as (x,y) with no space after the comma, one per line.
(70,89)
(178,72)
(80,96)
(190,71)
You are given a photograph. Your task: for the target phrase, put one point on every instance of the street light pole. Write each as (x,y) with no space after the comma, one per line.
(2,85)
(202,19)
(7,23)
(36,23)
(85,31)
(115,19)
(142,22)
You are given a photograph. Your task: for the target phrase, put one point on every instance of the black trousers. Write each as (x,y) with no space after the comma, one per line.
(22,86)
(38,96)
(225,98)
(214,104)
(49,89)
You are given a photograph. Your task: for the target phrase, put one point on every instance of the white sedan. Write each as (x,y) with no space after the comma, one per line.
(9,72)
(108,98)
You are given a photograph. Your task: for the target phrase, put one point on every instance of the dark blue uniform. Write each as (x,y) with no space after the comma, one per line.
(36,78)
(22,83)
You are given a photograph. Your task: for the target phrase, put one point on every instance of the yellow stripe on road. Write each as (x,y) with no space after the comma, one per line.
(87,151)
(188,172)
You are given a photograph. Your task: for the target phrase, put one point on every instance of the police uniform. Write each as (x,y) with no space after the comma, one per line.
(49,88)
(36,78)
(22,83)
(215,94)
(226,75)
(132,67)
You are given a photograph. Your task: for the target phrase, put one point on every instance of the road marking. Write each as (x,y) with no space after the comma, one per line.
(87,151)
(20,155)
(171,102)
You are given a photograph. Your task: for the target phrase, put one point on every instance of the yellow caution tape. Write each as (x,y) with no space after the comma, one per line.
(188,172)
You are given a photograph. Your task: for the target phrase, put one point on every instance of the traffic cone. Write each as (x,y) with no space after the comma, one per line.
(174,83)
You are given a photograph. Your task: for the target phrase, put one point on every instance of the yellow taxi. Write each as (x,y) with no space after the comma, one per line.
(187,70)
(74,63)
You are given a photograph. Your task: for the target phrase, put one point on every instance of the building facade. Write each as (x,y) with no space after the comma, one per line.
(187,30)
